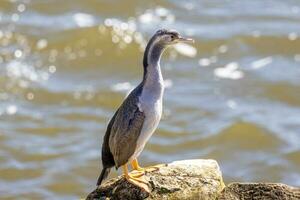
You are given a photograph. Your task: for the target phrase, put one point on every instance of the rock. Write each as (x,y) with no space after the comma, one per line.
(192,179)
(187,179)
(258,191)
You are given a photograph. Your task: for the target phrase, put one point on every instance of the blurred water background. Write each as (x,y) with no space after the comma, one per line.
(65,66)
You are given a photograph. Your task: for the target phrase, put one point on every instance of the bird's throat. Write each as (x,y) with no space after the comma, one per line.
(151,63)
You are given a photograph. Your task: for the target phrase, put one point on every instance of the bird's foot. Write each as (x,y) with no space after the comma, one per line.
(150,168)
(137,174)
(138,181)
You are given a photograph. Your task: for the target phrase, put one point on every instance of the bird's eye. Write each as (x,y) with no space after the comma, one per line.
(172,37)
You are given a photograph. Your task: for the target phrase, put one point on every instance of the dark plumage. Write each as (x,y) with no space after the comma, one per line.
(122,133)
(137,118)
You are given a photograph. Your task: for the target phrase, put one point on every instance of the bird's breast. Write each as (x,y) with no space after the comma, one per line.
(151,105)
(152,111)
(150,102)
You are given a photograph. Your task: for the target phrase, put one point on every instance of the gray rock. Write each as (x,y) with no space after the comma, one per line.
(192,179)
(187,179)
(259,191)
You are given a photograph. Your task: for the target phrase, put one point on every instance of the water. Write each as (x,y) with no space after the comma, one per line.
(234,96)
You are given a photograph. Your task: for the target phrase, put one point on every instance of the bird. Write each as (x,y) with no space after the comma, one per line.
(138,116)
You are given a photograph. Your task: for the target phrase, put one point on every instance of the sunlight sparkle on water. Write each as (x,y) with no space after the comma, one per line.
(122,33)
(223,49)
(18,53)
(84,20)
(30,96)
(261,63)
(52,69)
(186,49)
(41,44)
(157,15)
(11,109)
(15,17)
(204,62)
(168,83)
(18,70)
(293,36)
(120,87)
(21,7)
(230,71)
(231,104)
(256,34)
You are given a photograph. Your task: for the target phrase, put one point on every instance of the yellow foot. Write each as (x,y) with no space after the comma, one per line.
(140,182)
(151,168)
(136,180)
(137,174)
(136,166)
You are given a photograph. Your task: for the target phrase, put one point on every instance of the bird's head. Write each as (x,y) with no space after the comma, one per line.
(159,42)
(169,37)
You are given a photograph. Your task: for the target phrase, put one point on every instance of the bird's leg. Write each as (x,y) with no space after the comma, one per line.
(138,181)
(139,171)
(136,166)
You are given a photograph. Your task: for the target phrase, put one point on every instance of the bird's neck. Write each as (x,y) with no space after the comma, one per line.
(152,72)
(151,60)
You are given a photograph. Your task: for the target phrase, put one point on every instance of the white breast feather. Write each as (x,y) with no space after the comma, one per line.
(150,103)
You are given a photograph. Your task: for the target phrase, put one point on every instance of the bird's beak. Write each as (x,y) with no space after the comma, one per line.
(187,40)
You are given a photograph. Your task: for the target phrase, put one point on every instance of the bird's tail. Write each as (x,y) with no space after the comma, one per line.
(104,173)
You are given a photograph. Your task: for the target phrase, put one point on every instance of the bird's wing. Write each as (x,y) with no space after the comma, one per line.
(126,129)
(107,157)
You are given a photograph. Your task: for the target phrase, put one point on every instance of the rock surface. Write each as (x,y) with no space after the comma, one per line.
(188,179)
(259,191)
(192,179)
